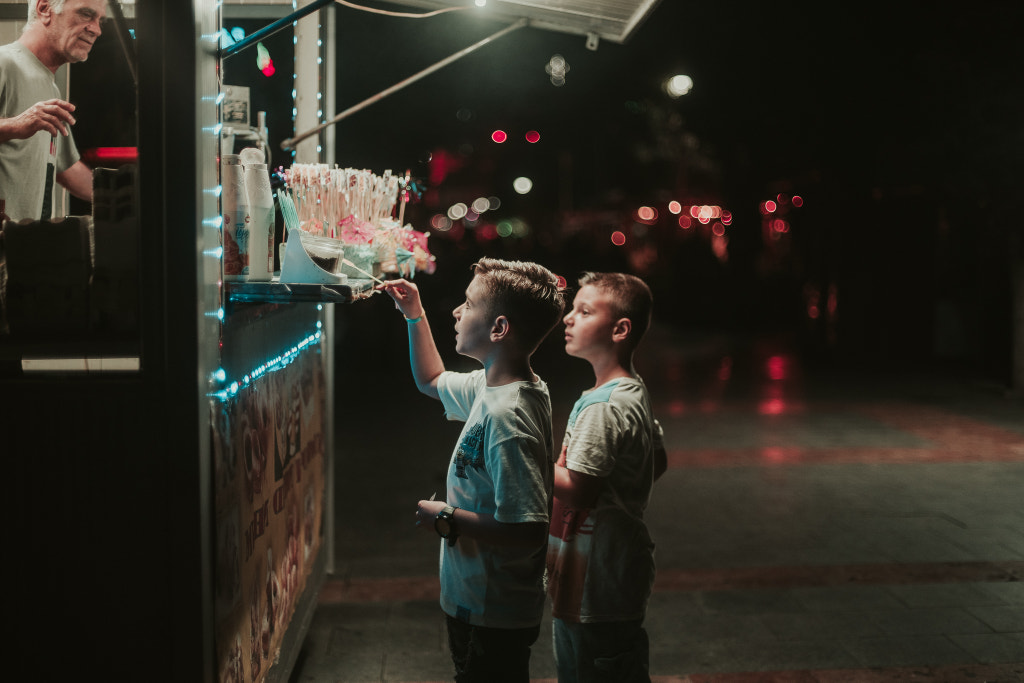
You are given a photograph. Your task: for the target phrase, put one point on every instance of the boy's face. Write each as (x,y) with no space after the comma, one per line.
(473,322)
(590,324)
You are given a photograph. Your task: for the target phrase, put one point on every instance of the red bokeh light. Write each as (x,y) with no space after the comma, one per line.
(772,406)
(777,367)
(618,238)
(769,206)
(646,214)
(499,136)
(725,369)
(675,207)
(798,201)
(532,136)
(487,233)
(685,222)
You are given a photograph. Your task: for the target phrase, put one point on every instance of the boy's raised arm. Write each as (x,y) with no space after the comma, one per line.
(424,358)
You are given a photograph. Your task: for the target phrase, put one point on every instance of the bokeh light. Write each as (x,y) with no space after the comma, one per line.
(618,238)
(441,223)
(532,136)
(678,85)
(776,367)
(557,68)
(457,211)
(675,207)
(522,185)
(499,136)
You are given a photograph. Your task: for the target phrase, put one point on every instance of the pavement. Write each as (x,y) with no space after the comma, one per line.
(818,523)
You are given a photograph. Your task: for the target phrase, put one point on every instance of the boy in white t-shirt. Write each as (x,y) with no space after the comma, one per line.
(494,521)
(600,562)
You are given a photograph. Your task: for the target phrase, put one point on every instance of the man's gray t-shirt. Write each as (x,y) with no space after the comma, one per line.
(24,81)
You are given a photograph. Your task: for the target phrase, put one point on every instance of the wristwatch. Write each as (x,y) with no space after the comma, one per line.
(444,524)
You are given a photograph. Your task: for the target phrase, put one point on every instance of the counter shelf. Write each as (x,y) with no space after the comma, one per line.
(288,292)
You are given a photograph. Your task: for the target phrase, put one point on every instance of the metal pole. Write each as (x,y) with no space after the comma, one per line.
(291,142)
(125,38)
(273,28)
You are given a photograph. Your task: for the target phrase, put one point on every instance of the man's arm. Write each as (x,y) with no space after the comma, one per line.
(78,180)
(53,116)
(424,358)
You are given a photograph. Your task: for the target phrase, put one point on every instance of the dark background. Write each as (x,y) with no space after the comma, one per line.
(900,125)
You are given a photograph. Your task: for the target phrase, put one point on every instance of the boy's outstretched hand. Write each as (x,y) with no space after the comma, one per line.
(406,296)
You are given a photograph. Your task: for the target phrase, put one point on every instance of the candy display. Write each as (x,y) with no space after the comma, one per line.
(357,208)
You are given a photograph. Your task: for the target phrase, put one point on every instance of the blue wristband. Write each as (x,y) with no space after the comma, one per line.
(413,321)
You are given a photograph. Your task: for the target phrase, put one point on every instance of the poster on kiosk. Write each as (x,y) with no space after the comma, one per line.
(268,443)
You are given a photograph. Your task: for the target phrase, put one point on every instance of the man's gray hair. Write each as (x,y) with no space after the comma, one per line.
(56,5)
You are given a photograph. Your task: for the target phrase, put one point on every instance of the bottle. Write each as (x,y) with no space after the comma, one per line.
(235,211)
(261,222)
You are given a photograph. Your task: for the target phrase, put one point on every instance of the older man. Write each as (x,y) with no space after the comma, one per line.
(36,145)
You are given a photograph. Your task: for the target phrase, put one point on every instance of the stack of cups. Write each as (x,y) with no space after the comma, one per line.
(247,203)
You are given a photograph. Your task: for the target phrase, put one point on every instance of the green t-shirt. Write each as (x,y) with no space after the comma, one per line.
(24,180)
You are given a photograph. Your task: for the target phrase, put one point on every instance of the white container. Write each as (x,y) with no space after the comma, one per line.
(235,212)
(261,223)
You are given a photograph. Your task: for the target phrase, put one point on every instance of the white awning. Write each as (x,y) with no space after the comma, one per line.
(613,20)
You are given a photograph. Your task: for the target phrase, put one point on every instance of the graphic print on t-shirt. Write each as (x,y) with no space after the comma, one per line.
(470,451)
(51,166)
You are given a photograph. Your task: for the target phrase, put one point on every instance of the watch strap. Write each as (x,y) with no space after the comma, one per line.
(447,514)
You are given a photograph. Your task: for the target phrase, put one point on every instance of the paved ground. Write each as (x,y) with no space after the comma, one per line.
(815,525)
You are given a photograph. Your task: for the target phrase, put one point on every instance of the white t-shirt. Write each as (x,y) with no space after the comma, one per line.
(23,163)
(502,465)
(600,561)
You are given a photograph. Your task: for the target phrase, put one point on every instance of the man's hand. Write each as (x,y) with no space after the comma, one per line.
(53,116)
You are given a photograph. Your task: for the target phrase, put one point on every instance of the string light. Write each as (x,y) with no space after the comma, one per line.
(273,364)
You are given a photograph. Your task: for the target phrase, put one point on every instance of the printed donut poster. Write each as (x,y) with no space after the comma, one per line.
(268,446)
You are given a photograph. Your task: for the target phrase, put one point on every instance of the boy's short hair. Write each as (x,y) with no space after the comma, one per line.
(526,293)
(632,299)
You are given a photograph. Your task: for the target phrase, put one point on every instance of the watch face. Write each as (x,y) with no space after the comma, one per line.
(444,524)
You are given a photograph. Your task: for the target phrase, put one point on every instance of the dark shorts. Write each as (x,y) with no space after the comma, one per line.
(490,655)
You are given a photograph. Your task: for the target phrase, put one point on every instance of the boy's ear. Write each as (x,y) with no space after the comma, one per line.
(621,329)
(500,329)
